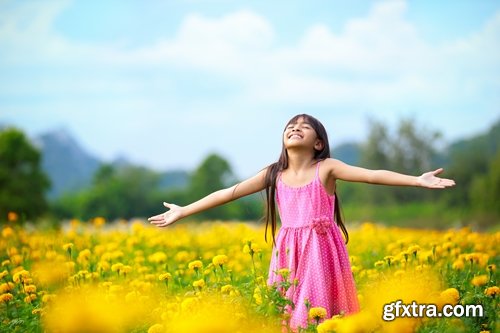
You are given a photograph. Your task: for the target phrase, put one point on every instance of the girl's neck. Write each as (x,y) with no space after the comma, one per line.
(299,160)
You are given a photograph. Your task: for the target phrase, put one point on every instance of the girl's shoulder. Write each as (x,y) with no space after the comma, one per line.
(330,164)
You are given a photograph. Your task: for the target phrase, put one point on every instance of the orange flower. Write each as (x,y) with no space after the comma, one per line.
(12,216)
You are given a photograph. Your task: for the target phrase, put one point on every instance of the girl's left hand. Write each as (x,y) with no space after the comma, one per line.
(430,180)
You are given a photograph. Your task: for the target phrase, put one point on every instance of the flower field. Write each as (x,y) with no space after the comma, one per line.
(211,277)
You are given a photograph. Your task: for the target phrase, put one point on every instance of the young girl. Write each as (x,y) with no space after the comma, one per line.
(309,243)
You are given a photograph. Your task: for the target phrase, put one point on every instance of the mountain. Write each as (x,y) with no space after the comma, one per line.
(349,153)
(69,167)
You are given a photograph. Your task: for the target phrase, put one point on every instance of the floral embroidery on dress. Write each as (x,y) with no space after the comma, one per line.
(321,224)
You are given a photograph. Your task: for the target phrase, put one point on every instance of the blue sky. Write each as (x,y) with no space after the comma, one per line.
(167,82)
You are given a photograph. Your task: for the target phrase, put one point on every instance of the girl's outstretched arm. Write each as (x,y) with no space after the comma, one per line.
(343,171)
(217,198)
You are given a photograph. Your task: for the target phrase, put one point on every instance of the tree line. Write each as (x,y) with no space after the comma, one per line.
(132,191)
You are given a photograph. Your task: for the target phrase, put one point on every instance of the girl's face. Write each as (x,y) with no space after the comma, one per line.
(301,134)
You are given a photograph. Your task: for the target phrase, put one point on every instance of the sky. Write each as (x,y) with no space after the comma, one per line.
(165,83)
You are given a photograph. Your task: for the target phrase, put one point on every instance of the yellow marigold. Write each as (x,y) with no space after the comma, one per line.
(99,221)
(413,249)
(117,267)
(492,267)
(195,265)
(458,265)
(199,283)
(165,276)
(68,247)
(7,232)
(220,260)
(317,313)
(379,263)
(4,274)
(4,298)
(7,286)
(126,269)
(479,280)
(329,325)
(257,296)
(20,276)
(84,255)
(450,296)
(5,263)
(158,257)
(156,328)
(226,289)
(284,272)
(30,298)
(492,291)
(30,289)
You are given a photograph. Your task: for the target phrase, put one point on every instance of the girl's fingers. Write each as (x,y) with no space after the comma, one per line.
(437,171)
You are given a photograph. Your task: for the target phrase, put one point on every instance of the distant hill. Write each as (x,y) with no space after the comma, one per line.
(71,168)
(349,153)
(68,165)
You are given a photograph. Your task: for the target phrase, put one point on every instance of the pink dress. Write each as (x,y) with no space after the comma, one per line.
(311,246)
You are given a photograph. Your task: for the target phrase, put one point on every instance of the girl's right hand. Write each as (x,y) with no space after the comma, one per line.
(172,215)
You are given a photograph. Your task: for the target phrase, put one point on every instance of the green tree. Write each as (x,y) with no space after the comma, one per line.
(213,174)
(115,193)
(485,191)
(410,149)
(22,182)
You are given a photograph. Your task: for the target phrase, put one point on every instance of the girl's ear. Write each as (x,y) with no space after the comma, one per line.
(319,145)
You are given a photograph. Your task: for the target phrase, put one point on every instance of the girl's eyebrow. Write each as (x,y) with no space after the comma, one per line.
(303,123)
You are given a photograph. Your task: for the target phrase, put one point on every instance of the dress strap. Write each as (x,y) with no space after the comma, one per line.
(317,169)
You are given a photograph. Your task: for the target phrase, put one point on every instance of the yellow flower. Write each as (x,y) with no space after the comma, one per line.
(156,328)
(220,260)
(379,263)
(7,232)
(226,289)
(20,276)
(450,296)
(4,274)
(317,313)
(99,221)
(199,283)
(458,265)
(284,272)
(158,257)
(68,247)
(28,299)
(492,291)
(195,265)
(413,249)
(30,289)
(4,298)
(479,280)
(165,276)
(7,286)
(117,267)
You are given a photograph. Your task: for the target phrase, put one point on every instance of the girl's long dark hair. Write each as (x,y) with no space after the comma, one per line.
(274,169)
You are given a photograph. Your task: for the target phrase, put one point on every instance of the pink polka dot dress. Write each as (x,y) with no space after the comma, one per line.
(311,246)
